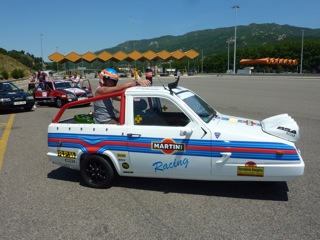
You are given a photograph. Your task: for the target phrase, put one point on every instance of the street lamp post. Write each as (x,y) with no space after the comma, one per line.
(301,51)
(235,39)
(228,55)
(41,51)
(57,62)
(229,41)
(202,62)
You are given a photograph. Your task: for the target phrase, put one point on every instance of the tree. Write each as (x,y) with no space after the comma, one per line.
(17,73)
(5,74)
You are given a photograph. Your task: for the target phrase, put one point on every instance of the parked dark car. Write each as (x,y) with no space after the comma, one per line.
(12,97)
(164,74)
(121,74)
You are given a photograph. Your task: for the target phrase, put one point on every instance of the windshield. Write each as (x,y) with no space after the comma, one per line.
(8,87)
(200,107)
(62,85)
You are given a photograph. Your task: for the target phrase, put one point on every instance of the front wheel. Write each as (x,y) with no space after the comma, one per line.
(59,102)
(96,172)
(28,108)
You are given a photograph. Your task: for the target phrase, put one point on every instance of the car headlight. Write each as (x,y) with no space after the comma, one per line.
(29,98)
(5,100)
(71,96)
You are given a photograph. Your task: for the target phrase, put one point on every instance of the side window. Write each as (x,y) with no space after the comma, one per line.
(157,112)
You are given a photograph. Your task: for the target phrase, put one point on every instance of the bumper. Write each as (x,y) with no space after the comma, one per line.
(16,105)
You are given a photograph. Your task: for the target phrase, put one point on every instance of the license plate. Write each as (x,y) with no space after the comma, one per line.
(19,103)
(82,98)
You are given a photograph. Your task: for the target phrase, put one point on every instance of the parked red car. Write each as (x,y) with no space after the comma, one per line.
(60,92)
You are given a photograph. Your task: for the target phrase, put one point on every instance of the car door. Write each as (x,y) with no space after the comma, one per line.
(44,92)
(86,85)
(164,141)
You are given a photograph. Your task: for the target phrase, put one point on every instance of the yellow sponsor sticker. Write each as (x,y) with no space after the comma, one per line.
(121,155)
(125,165)
(233,120)
(66,154)
(250,171)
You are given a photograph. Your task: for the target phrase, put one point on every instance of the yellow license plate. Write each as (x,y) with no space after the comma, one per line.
(66,154)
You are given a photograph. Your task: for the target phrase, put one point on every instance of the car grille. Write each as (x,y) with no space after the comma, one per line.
(17,98)
(82,95)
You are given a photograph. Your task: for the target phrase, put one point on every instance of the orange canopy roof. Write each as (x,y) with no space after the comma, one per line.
(149,55)
(121,56)
(89,57)
(134,56)
(191,54)
(73,57)
(57,57)
(104,56)
(164,55)
(178,54)
(269,61)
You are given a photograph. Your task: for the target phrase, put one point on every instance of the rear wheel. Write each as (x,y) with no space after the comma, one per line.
(96,172)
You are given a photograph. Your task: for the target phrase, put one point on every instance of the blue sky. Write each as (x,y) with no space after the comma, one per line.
(92,25)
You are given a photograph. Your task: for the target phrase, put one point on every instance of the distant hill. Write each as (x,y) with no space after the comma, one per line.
(9,64)
(253,41)
(214,41)
(18,60)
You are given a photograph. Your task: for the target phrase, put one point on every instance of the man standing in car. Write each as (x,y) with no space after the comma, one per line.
(41,78)
(103,110)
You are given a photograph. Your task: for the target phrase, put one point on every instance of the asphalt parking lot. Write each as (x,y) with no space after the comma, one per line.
(40,200)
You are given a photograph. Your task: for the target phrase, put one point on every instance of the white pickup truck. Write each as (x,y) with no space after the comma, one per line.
(170,132)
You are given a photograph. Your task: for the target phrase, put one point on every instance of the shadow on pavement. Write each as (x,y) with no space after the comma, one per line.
(272,191)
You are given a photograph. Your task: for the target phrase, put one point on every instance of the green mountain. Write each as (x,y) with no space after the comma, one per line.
(253,41)
(10,64)
(214,41)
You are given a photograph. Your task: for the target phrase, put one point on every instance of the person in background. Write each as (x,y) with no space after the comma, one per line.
(134,73)
(149,74)
(75,79)
(41,78)
(103,110)
(32,82)
(32,85)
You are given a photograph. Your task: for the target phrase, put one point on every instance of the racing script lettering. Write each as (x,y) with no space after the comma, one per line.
(161,166)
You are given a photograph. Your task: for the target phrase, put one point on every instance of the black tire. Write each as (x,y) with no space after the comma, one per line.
(59,103)
(96,172)
(28,108)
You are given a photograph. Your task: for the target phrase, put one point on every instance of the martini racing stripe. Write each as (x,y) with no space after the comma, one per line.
(203,148)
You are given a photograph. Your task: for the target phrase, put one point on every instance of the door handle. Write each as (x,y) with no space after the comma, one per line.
(225,157)
(186,132)
(134,135)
